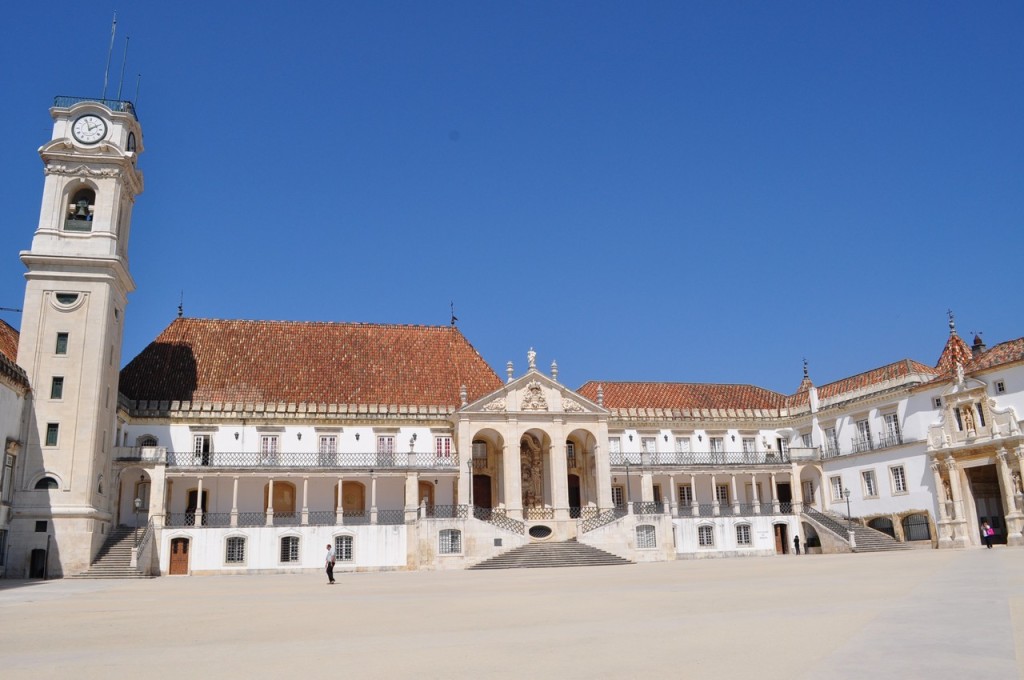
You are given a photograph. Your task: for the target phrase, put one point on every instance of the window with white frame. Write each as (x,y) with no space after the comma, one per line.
(937,402)
(864,433)
(570,453)
(899,479)
(831,441)
(742,534)
(783,445)
(836,484)
(722,493)
(717,444)
(449,542)
(749,445)
(386,444)
(808,488)
(682,444)
(269,446)
(1000,387)
(685,495)
(234,550)
(328,443)
(705,536)
(805,440)
(202,445)
(870,484)
(443,446)
(618,496)
(892,429)
(289,548)
(648,444)
(646,538)
(343,548)
(614,445)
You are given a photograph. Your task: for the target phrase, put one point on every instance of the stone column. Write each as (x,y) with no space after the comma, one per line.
(199,503)
(959,524)
(940,501)
(1012,514)
(559,479)
(796,488)
(339,513)
(715,509)
(602,477)
(234,501)
(158,484)
(755,494)
(270,502)
(694,503)
(304,519)
(735,495)
(646,485)
(513,478)
(673,496)
(776,508)
(412,490)
(464,442)
(373,498)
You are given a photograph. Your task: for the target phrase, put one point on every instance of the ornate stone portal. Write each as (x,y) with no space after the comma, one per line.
(531,461)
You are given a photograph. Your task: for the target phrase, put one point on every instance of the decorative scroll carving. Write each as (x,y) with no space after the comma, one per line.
(79,170)
(534,399)
(570,406)
(496,405)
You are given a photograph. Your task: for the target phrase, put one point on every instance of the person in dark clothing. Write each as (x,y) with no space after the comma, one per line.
(796,545)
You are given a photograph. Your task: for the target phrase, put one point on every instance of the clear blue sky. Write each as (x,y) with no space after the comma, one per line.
(672,191)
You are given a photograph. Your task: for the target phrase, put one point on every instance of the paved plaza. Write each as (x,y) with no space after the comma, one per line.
(914,614)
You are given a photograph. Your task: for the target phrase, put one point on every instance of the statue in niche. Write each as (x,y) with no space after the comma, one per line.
(531,463)
(967,414)
(1017,488)
(948,490)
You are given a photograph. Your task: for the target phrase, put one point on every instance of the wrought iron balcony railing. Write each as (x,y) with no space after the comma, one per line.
(890,439)
(859,445)
(670,458)
(255,459)
(119,105)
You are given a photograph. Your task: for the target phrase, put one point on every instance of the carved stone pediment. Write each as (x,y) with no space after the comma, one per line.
(495,405)
(572,406)
(533,397)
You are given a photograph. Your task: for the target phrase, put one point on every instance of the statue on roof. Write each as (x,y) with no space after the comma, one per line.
(531,359)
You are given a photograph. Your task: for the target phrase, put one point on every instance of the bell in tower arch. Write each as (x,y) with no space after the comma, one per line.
(80,210)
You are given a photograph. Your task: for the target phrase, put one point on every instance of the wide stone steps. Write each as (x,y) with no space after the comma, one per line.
(867,539)
(569,553)
(115,557)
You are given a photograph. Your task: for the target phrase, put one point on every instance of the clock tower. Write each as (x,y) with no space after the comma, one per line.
(70,342)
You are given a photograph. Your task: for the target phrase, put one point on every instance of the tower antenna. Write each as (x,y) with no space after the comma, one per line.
(454,318)
(124,60)
(181,305)
(106,71)
(138,83)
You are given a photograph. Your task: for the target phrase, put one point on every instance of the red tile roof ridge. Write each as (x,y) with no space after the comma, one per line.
(674,382)
(871,377)
(9,341)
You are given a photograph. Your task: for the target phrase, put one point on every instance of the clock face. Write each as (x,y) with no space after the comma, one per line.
(89,129)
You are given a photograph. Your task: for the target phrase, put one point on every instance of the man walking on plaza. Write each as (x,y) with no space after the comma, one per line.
(329,564)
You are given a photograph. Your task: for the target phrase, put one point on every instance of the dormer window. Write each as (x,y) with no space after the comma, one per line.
(80,211)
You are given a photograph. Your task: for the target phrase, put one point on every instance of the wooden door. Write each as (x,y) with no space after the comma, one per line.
(426,494)
(353,498)
(179,556)
(780,539)
(482,491)
(284,497)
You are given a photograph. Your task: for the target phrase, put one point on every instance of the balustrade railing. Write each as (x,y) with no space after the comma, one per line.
(680,458)
(287,519)
(319,518)
(889,439)
(252,519)
(602,519)
(858,445)
(583,513)
(706,509)
(255,459)
(117,105)
(533,514)
(446,511)
(141,540)
(648,508)
(391,516)
(356,517)
(499,518)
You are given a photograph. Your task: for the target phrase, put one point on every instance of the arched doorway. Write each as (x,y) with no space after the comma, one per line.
(574,496)
(781,540)
(883,524)
(179,557)
(353,499)
(426,494)
(284,498)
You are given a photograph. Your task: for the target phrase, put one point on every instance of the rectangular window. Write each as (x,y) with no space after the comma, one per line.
(290,549)
(614,445)
(7,479)
(892,430)
(234,550)
(937,402)
(899,479)
(41,526)
(648,444)
(831,442)
(328,443)
(570,454)
(742,534)
(618,497)
(836,484)
(870,487)
(685,495)
(705,537)
(57,387)
(480,451)
(749,445)
(864,433)
(201,445)
(269,444)
(657,493)
(343,548)
(722,493)
(385,444)
(1000,387)
(783,444)
(62,343)
(450,542)
(717,444)
(805,440)
(51,433)
(443,447)
(981,414)
(682,444)
(646,537)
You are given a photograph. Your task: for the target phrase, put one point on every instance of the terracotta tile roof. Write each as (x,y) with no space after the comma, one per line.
(8,341)
(899,369)
(9,355)
(1003,353)
(217,360)
(956,350)
(624,395)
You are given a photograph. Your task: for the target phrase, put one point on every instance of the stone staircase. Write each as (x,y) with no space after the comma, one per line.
(569,553)
(867,539)
(115,557)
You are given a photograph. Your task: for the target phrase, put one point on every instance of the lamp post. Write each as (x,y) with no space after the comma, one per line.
(138,506)
(849,520)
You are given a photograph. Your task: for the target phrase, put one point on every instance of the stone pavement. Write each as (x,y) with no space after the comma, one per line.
(912,614)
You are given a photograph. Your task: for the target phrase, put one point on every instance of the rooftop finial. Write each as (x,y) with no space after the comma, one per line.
(554,370)
(181,305)
(454,318)
(952,322)
(600,395)
(805,368)
(509,371)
